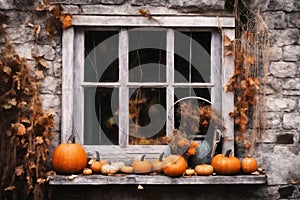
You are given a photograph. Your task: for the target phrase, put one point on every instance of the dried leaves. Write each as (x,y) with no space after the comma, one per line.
(25,130)
(245,86)
(55,19)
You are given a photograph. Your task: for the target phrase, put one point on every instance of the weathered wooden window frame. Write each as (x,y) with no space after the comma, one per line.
(73,58)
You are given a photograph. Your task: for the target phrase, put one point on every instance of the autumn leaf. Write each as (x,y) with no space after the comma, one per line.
(20,128)
(41,180)
(41,61)
(144,12)
(39,74)
(66,20)
(39,140)
(7,70)
(10,188)
(19,170)
(228,45)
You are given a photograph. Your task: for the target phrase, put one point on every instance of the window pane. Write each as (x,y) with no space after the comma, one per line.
(192,57)
(147,55)
(100,116)
(147,110)
(101,56)
(186,112)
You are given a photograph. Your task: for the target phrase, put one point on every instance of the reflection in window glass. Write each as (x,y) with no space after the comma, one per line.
(101,56)
(192,57)
(147,56)
(100,116)
(147,116)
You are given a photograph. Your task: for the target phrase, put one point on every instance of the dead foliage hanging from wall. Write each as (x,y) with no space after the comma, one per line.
(251,49)
(25,130)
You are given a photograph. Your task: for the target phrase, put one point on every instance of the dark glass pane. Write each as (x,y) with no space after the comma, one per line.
(192,57)
(100,116)
(187,111)
(147,55)
(147,116)
(101,62)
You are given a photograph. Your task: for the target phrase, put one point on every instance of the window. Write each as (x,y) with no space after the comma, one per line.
(122,77)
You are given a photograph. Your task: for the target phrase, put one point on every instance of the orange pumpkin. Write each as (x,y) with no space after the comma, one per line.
(96,164)
(142,166)
(204,170)
(69,157)
(226,164)
(157,164)
(249,165)
(174,165)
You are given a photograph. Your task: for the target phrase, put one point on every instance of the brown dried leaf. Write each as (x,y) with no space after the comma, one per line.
(41,61)
(66,20)
(25,120)
(228,45)
(19,170)
(39,74)
(10,188)
(7,70)
(20,128)
(41,180)
(39,140)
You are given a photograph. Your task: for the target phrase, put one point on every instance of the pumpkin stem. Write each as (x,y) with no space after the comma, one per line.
(161,157)
(71,139)
(143,157)
(97,155)
(228,152)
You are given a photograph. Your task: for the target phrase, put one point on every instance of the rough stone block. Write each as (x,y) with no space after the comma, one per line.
(292,84)
(283,69)
(291,53)
(49,85)
(273,120)
(148,2)
(291,121)
(109,2)
(294,19)
(276,104)
(197,5)
(70,1)
(284,37)
(285,138)
(275,53)
(275,20)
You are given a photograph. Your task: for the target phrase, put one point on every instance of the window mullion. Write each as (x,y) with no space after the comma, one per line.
(216,95)
(123,91)
(78,119)
(170,81)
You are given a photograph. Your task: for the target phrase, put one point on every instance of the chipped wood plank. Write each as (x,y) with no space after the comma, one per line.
(132,179)
(158,21)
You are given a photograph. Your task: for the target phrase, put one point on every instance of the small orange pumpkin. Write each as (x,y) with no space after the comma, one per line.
(69,157)
(142,166)
(249,165)
(157,164)
(204,170)
(174,165)
(226,164)
(96,164)
(87,171)
(126,169)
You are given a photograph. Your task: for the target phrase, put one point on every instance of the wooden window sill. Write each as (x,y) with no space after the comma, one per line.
(132,179)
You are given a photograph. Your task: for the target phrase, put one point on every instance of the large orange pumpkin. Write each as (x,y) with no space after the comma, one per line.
(174,166)
(226,164)
(69,157)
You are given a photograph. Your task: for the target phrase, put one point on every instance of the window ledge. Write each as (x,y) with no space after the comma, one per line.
(121,179)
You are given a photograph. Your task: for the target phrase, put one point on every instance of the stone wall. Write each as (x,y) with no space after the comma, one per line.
(277,150)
